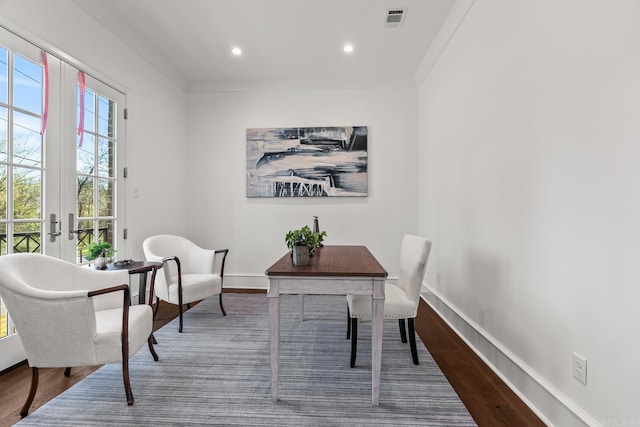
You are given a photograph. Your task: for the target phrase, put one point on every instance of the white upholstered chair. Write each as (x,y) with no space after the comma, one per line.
(401,300)
(191,273)
(67,315)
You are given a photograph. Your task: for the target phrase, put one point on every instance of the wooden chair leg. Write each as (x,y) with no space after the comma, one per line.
(403,330)
(127,381)
(67,371)
(32,392)
(124,346)
(412,342)
(348,323)
(151,348)
(155,312)
(224,313)
(354,340)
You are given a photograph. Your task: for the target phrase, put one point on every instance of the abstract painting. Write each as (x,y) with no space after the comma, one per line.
(307,162)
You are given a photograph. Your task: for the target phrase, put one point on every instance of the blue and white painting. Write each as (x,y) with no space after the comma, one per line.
(307,162)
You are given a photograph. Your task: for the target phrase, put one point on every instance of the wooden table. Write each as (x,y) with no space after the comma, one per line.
(333,270)
(142,268)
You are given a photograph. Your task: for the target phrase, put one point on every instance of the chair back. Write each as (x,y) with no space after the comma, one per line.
(414,254)
(47,299)
(193,259)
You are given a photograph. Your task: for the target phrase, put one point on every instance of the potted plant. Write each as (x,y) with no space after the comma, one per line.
(303,243)
(100,252)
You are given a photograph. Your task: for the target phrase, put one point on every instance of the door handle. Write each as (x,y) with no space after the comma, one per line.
(72,232)
(52,228)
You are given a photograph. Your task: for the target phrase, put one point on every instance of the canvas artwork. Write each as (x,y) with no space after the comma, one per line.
(307,162)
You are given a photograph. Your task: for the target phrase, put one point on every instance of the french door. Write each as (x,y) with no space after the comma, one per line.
(61,163)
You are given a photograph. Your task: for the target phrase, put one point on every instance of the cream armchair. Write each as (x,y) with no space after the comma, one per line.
(401,301)
(67,315)
(191,273)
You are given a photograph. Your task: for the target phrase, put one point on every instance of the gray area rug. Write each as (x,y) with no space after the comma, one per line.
(217,373)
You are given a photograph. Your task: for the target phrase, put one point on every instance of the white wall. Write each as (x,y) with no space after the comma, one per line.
(526,128)
(200,145)
(156,154)
(220,214)
(530,154)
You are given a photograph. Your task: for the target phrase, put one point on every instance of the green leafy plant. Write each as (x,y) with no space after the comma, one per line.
(98,249)
(305,237)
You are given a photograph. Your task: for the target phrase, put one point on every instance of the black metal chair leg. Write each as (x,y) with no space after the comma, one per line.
(32,392)
(67,371)
(180,308)
(348,323)
(354,340)
(412,342)
(224,313)
(403,330)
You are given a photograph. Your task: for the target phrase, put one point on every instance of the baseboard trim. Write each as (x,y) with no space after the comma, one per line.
(245,281)
(546,401)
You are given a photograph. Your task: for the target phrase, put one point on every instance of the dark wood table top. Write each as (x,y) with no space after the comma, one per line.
(331,260)
(134,267)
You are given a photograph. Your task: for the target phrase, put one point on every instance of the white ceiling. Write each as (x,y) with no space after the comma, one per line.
(282,40)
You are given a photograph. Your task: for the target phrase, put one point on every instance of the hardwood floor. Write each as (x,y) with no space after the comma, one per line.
(490,402)
(487,398)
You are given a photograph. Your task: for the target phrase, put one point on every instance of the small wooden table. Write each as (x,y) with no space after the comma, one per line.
(333,270)
(142,268)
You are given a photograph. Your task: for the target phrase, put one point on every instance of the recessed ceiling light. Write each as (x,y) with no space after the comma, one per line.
(348,48)
(236,51)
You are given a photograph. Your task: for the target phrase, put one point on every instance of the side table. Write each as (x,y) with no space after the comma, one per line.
(141,268)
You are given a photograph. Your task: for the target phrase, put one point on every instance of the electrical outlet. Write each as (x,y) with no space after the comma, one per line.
(580,368)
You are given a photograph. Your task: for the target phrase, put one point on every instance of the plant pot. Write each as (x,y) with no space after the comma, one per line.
(101,262)
(300,255)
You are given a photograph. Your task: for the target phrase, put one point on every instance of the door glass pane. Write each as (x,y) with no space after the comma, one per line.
(89,110)
(3,194)
(26,237)
(27,85)
(85,197)
(106,153)
(105,197)
(85,238)
(4,320)
(4,74)
(106,229)
(27,191)
(106,110)
(85,159)
(4,120)
(3,239)
(27,141)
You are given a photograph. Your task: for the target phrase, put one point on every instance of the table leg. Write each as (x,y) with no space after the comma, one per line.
(154,271)
(142,288)
(301,298)
(274,340)
(377,310)
(152,282)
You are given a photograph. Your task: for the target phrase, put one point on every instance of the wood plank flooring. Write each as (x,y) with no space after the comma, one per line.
(490,402)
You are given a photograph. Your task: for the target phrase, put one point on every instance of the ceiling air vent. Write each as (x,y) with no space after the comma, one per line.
(395,17)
